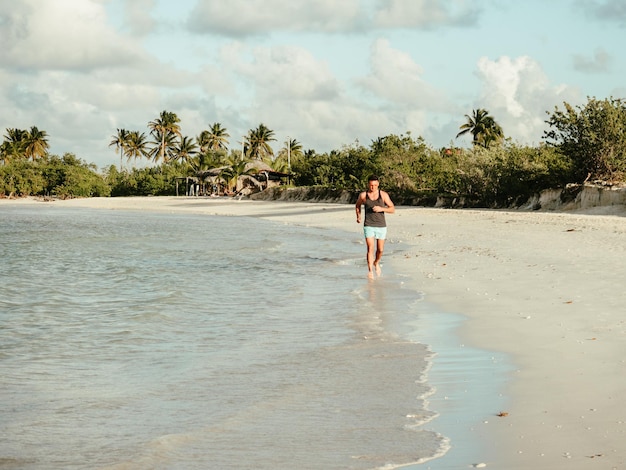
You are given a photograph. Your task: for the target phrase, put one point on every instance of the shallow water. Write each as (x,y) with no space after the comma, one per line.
(133,340)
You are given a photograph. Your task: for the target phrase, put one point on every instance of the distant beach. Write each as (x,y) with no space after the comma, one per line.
(545,288)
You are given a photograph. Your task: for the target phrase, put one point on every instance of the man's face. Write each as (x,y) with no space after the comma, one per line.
(373,185)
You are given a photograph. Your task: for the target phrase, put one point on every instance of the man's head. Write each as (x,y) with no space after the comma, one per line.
(372,183)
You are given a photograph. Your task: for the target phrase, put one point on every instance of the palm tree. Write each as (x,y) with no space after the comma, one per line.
(203,140)
(164,130)
(36,143)
(201,162)
(13,145)
(120,140)
(213,140)
(257,142)
(292,150)
(136,145)
(186,149)
(218,137)
(484,129)
(164,147)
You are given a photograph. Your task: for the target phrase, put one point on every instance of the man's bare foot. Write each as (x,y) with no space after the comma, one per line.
(370,275)
(378,270)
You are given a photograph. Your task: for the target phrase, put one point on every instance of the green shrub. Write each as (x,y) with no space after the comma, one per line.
(593,137)
(52,176)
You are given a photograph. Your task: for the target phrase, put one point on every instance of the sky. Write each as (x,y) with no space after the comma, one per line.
(326,73)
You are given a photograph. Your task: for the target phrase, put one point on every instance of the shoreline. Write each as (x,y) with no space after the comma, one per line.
(544,289)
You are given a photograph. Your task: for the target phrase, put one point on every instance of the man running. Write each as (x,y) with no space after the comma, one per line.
(377,203)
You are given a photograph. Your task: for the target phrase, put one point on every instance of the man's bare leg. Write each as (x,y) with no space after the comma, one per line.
(370,242)
(380,245)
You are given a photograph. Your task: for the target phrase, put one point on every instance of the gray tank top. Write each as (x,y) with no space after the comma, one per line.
(374,219)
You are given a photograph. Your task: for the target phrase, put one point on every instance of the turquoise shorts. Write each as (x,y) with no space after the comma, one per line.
(379,233)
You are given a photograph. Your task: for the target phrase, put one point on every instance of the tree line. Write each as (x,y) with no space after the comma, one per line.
(582,143)
(168,144)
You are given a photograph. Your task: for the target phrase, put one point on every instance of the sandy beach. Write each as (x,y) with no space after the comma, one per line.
(544,288)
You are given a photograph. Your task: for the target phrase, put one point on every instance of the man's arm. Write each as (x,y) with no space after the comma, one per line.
(390,209)
(357,207)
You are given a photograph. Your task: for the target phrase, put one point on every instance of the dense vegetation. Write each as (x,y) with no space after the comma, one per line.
(582,143)
(50,175)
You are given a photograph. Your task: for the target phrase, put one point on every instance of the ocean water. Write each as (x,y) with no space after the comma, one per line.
(140,340)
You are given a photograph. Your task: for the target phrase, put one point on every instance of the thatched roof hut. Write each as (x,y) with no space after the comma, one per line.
(264,172)
(258,176)
(212,173)
(257,166)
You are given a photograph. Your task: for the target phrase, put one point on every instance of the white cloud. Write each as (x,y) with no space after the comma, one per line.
(138,16)
(397,78)
(327,125)
(288,89)
(607,10)
(297,94)
(63,34)
(503,77)
(517,93)
(597,64)
(251,17)
(426,14)
(288,73)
